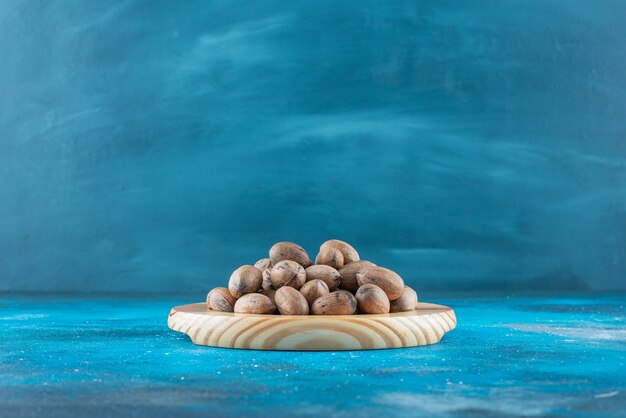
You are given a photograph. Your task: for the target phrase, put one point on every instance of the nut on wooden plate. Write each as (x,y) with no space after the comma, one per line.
(289,251)
(220,299)
(313,290)
(347,251)
(338,302)
(287,273)
(254,303)
(386,279)
(267,279)
(291,302)
(406,302)
(348,275)
(372,299)
(330,256)
(244,280)
(263,264)
(327,274)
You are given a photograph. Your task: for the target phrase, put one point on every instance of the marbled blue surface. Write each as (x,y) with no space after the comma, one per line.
(509,356)
(147,144)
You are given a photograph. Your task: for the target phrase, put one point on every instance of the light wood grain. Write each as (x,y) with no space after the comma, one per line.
(424,326)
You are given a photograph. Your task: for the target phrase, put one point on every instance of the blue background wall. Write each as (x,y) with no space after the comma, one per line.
(158,145)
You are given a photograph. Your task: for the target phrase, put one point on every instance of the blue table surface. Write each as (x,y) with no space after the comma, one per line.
(508,356)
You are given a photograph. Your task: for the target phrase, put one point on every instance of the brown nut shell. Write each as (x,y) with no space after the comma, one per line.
(291,302)
(263,264)
(348,275)
(244,280)
(406,302)
(330,256)
(267,281)
(338,302)
(388,280)
(372,299)
(254,303)
(220,300)
(313,290)
(349,253)
(327,274)
(287,273)
(289,251)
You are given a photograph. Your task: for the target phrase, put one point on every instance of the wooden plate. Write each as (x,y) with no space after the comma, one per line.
(424,326)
